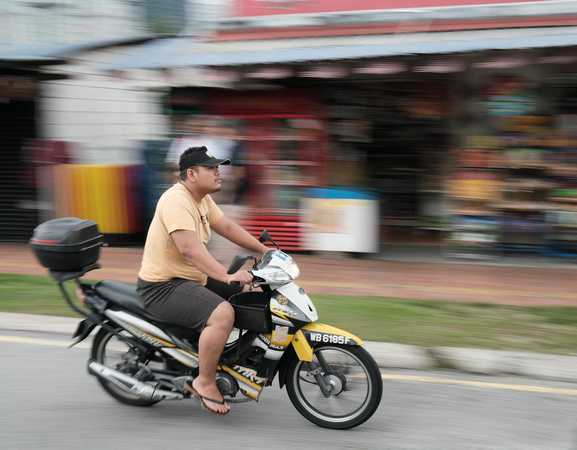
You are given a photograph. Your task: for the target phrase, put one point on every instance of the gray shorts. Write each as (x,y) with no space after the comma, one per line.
(184,302)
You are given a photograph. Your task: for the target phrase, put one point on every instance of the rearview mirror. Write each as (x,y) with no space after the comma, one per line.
(237,262)
(264,237)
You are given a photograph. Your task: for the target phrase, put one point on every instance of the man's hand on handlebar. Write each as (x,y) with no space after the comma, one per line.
(242,277)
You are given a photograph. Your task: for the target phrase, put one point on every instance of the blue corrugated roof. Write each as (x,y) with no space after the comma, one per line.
(184,52)
(45,52)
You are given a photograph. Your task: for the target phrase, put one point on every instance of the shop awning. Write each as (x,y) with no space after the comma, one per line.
(57,52)
(187,52)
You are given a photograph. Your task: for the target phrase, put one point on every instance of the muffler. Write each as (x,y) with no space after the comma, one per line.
(130,384)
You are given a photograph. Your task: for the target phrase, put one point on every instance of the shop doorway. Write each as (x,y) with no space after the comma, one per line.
(395,138)
(18,209)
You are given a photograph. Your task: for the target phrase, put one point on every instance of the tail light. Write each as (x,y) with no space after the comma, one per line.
(80,295)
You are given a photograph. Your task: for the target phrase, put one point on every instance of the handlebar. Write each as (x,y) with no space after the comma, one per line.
(236,283)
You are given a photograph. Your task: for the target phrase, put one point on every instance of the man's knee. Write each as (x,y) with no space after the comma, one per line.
(223,315)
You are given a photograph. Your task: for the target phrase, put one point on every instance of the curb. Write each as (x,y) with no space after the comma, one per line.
(475,361)
(387,355)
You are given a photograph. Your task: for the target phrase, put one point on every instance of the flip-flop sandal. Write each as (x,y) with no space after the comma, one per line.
(202,399)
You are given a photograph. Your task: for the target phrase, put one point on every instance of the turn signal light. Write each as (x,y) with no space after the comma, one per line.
(80,295)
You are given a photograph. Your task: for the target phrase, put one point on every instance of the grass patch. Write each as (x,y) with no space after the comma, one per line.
(34,295)
(453,324)
(423,323)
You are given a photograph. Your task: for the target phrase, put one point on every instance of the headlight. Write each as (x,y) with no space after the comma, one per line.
(279,268)
(291,268)
(280,276)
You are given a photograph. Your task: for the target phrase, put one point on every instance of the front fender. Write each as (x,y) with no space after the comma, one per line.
(317,333)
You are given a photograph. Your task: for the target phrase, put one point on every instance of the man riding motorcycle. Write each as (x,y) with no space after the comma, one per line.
(179,280)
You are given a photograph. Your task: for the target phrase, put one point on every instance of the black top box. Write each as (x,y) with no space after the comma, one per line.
(67,244)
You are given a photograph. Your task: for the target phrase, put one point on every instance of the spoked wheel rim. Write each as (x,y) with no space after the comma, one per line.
(111,351)
(356,386)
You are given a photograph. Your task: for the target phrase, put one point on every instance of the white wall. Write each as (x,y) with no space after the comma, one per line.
(25,21)
(102,114)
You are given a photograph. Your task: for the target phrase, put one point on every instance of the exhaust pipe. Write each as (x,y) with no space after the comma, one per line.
(130,384)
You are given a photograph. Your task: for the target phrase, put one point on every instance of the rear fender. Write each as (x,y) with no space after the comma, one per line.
(317,333)
(85,327)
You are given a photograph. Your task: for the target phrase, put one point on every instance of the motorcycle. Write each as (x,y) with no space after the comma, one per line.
(139,360)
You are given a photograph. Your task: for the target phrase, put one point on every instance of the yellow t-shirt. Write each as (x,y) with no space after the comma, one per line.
(176,210)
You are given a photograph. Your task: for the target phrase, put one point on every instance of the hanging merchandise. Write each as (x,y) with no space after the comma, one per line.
(474,185)
(284,151)
(562,214)
(507,95)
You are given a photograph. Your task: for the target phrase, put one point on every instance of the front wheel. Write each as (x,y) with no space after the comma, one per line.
(341,388)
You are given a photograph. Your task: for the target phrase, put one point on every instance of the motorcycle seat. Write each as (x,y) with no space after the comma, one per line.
(123,295)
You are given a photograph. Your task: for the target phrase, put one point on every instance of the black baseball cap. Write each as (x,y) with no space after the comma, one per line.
(202,158)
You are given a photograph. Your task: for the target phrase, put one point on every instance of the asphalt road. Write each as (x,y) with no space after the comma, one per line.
(50,402)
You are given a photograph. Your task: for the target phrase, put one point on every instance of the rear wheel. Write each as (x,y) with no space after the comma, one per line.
(341,388)
(111,351)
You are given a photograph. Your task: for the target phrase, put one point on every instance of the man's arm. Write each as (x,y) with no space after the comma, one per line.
(238,235)
(197,255)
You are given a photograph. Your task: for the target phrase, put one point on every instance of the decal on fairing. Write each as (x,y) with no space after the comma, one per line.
(265,338)
(269,344)
(140,328)
(251,389)
(147,337)
(281,299)
(283,311)
(280,334)
(249,374)
(281,255)
(284,308)
(182,356)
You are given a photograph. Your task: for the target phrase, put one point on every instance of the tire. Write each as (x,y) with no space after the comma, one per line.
(109,350)
(356,380)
